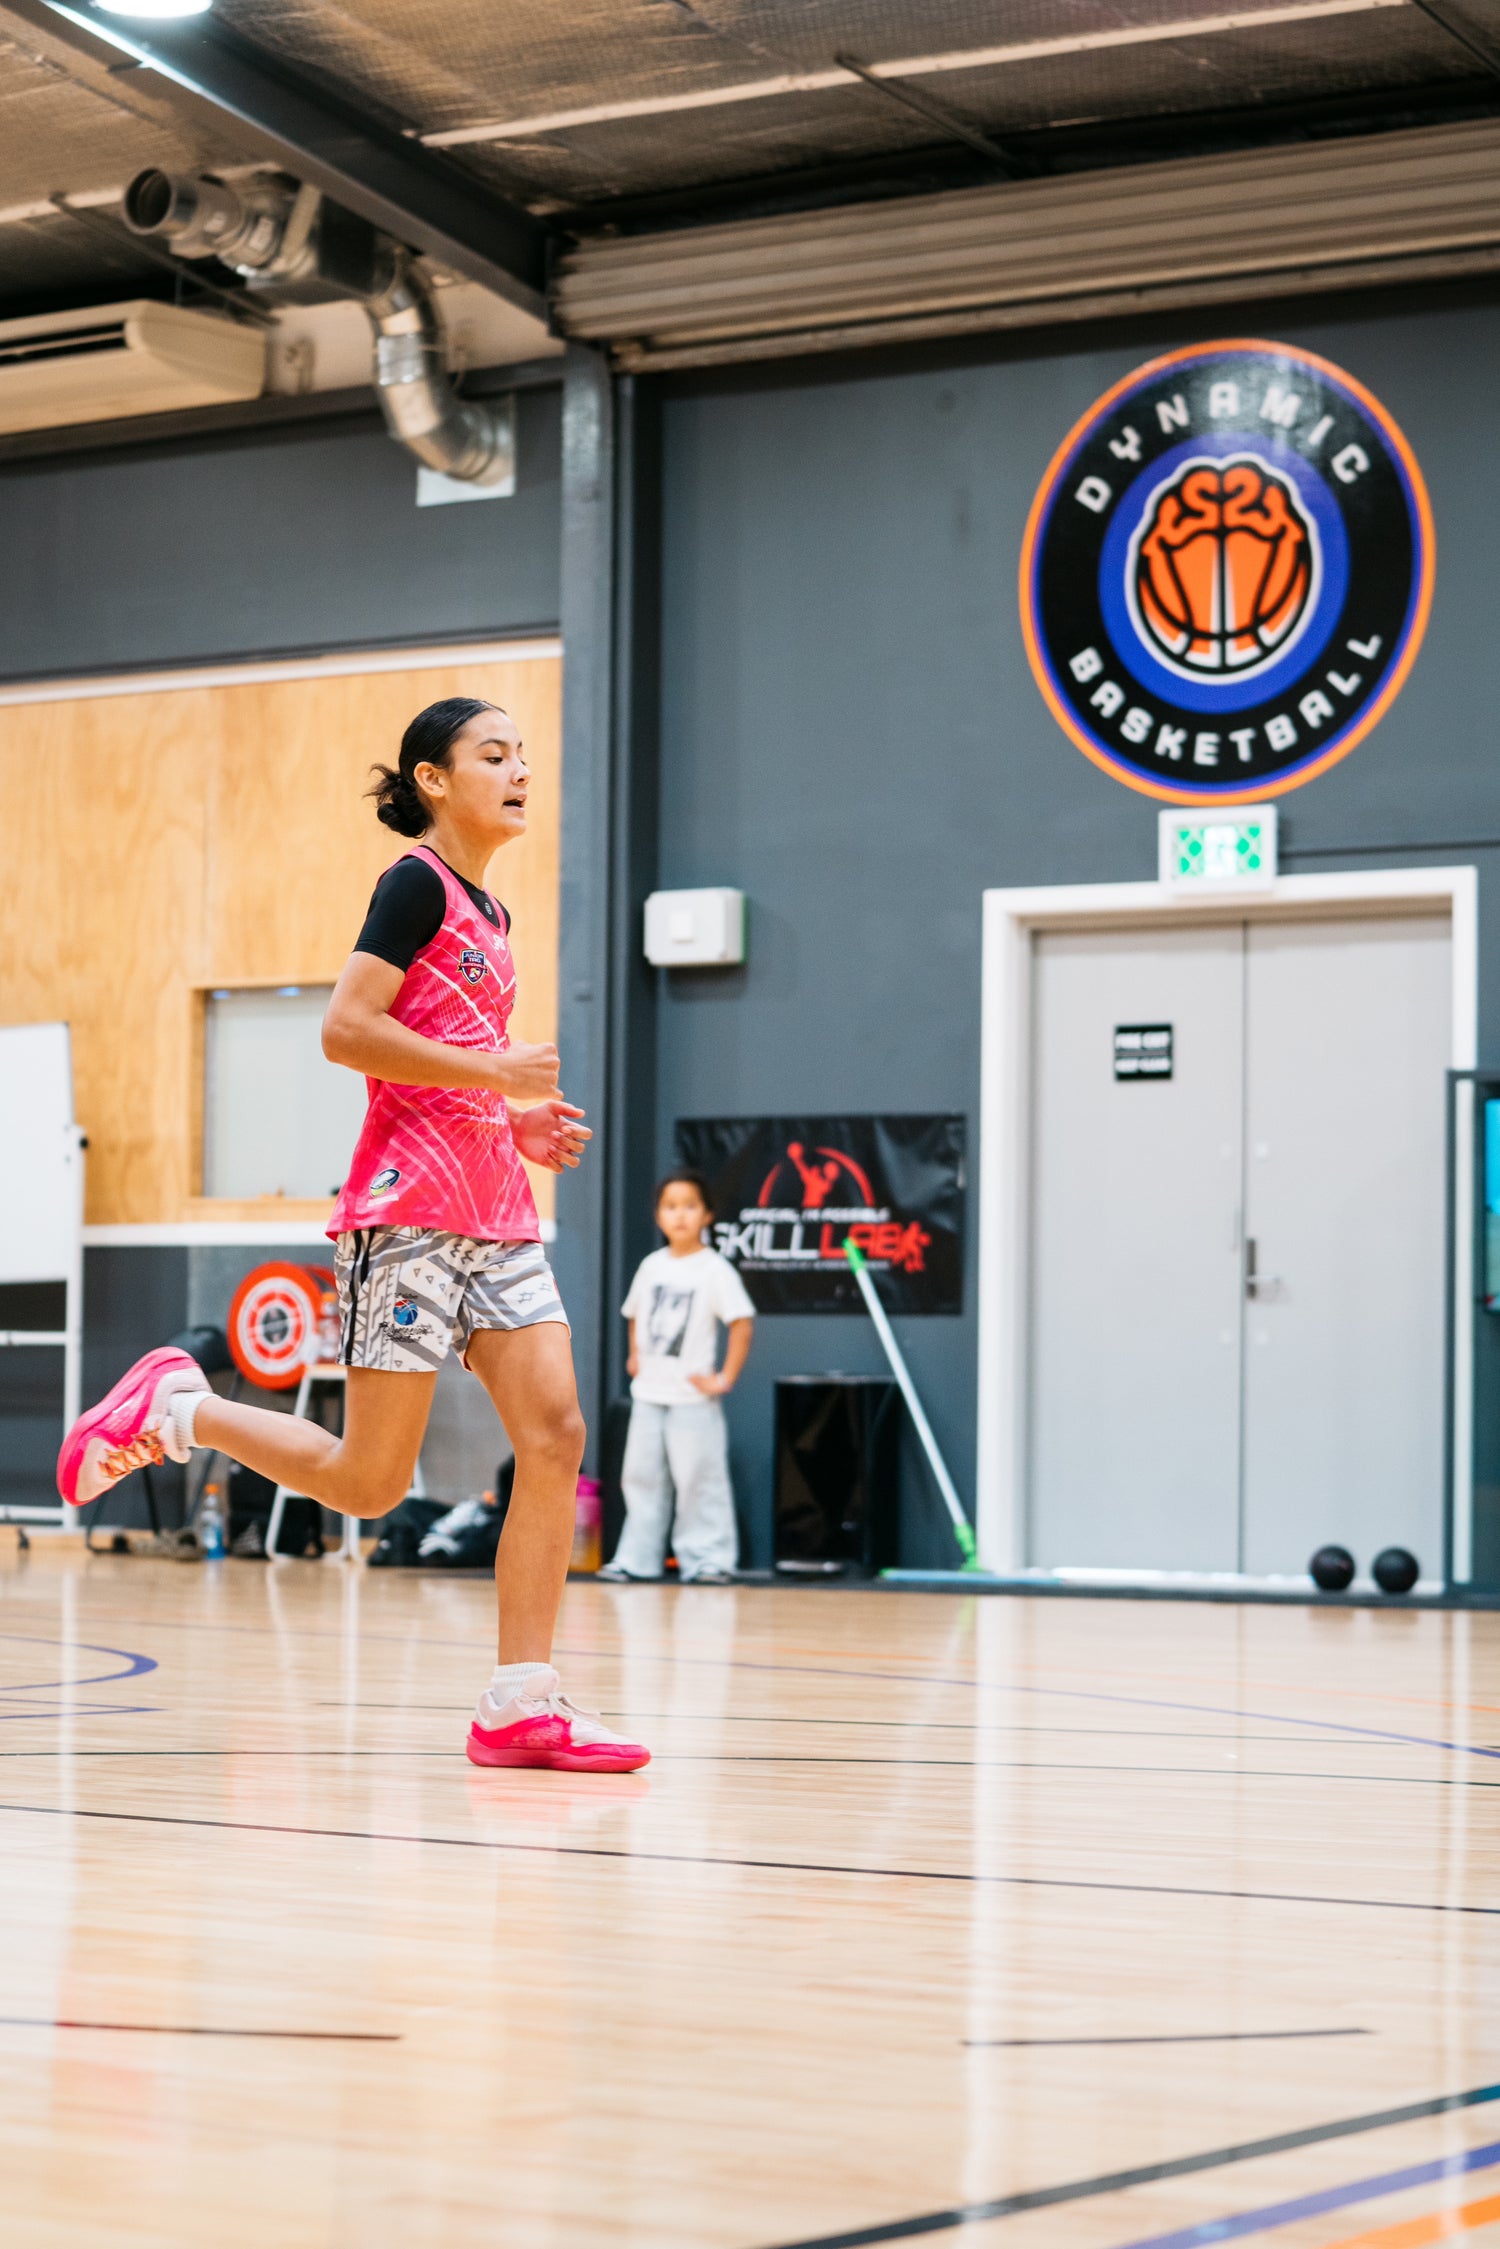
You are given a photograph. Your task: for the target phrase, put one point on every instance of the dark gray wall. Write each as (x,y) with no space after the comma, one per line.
(267,543)
(849,731)
(133,1299)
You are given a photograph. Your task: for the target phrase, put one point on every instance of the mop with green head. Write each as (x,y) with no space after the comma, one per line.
(962,1531)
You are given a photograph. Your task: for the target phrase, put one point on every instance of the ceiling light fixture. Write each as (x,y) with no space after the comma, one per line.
(155,8)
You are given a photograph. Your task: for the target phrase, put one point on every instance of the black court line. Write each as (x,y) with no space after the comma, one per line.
(973,1765)
(775,1757)
(1169,2038)
(429,1754)
(765,1866)
(204,2030)
(1147,2174)
(910,1725)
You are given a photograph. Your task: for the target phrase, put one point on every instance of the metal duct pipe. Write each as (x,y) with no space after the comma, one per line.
(262,229)
(459,436)
(271,230)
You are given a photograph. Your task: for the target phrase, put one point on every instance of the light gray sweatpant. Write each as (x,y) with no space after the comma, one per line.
(686,1447)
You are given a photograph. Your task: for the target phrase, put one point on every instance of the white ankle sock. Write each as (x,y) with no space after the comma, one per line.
(184,1411)
(508,1680)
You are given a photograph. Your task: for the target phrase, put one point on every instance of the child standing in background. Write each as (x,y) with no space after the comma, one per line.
(677,1301)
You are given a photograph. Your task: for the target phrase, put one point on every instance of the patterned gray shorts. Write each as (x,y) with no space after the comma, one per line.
(407,1294)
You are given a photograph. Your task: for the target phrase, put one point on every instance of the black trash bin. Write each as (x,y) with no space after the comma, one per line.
(838,1440)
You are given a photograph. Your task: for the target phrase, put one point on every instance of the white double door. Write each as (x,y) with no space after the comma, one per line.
(1236,1287)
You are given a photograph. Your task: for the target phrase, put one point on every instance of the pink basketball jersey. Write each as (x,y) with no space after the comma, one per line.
(443,1156)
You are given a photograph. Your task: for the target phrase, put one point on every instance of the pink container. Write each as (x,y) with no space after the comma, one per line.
(588,1520)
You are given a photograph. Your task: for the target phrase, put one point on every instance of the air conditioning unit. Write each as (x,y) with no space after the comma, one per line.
(115,360)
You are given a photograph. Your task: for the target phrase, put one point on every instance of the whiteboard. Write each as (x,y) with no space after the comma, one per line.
(297,1141)
(40,1159)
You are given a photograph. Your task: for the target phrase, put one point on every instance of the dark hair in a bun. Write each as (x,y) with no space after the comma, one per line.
(427,741)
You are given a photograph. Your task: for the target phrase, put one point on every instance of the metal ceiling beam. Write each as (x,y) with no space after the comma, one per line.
(1483,53)
(223,84)
(938,113)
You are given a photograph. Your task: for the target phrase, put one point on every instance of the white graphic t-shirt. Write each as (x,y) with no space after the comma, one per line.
(677,1304)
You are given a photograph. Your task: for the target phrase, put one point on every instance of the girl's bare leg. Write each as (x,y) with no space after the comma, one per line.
(529,1374)
(365,1472)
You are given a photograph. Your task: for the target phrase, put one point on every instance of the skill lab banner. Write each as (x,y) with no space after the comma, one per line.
(789,1191)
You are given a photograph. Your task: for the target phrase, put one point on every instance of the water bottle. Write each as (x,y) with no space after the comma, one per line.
(211,1526)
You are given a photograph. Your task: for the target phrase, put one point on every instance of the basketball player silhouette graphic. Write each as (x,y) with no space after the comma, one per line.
(817,1179)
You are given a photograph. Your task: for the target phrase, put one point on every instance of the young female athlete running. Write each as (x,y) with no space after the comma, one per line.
(437,1234)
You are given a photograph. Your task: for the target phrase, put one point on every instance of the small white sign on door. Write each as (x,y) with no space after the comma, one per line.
(1143,1050)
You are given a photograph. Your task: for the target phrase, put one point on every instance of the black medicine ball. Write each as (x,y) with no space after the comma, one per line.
(1332,1569)
(1394,1570)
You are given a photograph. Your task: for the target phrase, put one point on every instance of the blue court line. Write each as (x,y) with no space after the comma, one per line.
(77,1710)
(135,1665)
(913,1679)
(139,1663)
(1312,2205)
(975,1685)
(1090,1694)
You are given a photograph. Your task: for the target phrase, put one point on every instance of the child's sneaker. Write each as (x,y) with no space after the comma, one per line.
(544,1728)
(131,1428)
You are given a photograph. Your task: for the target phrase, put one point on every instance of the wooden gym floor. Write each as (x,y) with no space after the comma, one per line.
(1034,1922)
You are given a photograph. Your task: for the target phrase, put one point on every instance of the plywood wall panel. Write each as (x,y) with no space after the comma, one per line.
(101,922)
(161,842)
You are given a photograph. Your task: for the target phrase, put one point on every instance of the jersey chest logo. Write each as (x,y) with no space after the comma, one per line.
(472,963)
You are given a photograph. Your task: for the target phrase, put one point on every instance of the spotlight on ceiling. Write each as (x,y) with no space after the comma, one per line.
(155,8)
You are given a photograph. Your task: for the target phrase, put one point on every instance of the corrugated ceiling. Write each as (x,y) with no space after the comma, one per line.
(464,64)
(598,110)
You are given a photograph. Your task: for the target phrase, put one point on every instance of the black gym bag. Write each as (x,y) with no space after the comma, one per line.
(402,1533)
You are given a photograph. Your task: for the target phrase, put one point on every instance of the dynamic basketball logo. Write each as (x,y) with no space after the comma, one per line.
(1227,572)
(473,963)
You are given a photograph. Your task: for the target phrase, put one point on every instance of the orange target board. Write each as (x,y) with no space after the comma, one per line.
(284,1319)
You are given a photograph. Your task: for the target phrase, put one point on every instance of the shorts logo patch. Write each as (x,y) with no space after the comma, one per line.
(473,963)
(383,1182)
(405,1313)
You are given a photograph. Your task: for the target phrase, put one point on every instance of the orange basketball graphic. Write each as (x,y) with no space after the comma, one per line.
(1224,567)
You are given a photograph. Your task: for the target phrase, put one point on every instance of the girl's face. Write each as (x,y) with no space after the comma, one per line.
(482,789)
(681,1215)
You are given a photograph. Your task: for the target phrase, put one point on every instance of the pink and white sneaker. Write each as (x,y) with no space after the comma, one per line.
(544,1728)
(131,1428)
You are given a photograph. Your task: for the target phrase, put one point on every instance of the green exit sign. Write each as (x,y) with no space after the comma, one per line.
(1218,851)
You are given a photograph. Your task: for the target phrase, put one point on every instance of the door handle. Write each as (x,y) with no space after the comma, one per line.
(1255,1280)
